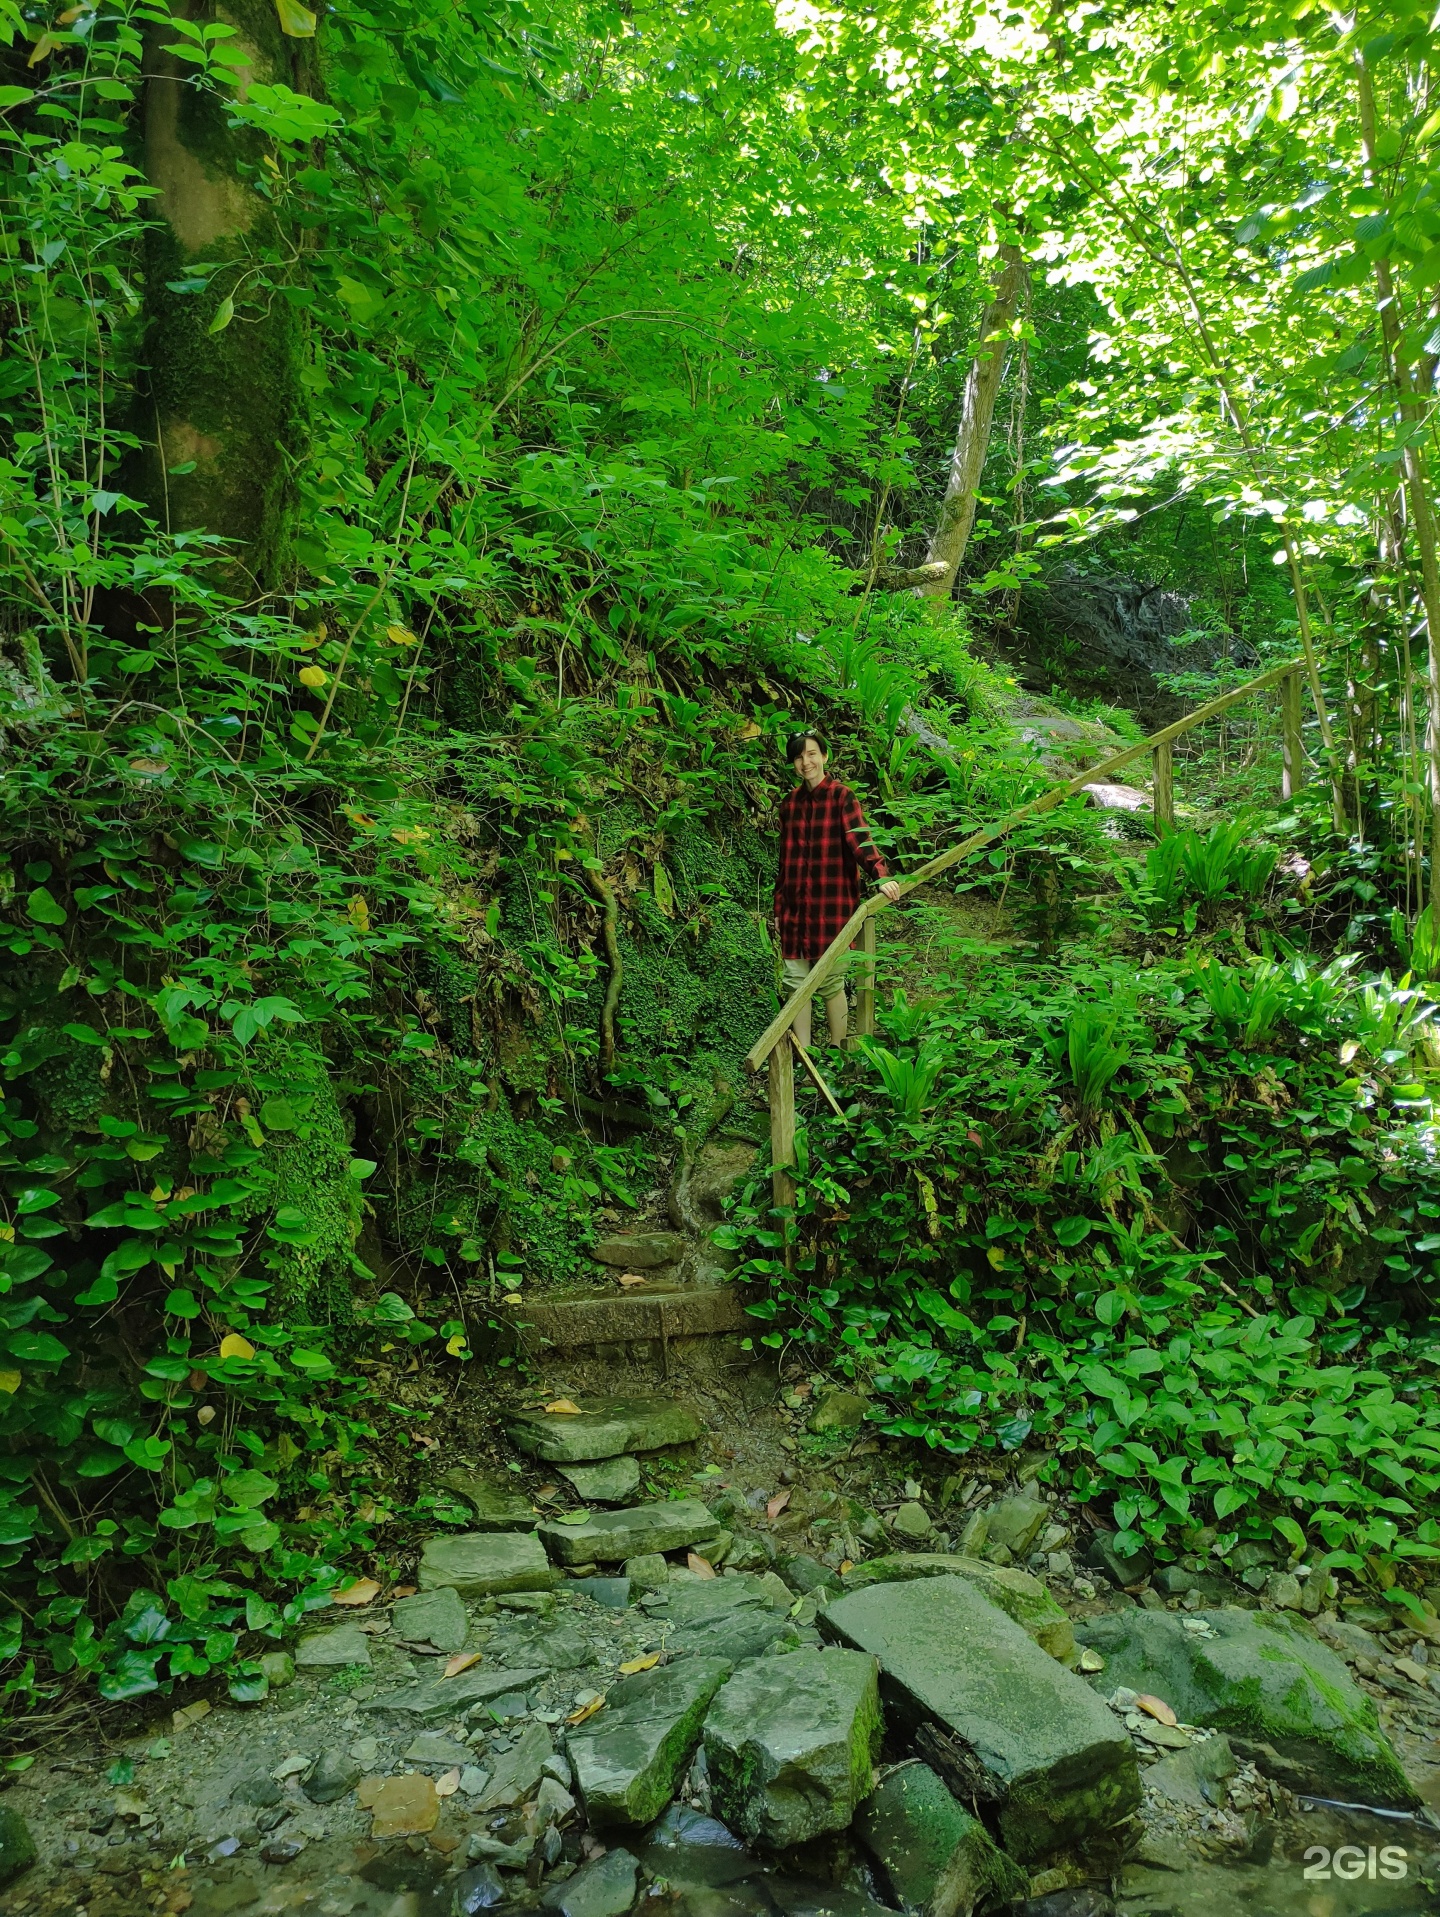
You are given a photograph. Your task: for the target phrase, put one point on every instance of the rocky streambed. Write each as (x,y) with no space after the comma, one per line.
(644,1707)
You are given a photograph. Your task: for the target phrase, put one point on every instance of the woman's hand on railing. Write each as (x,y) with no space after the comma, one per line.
(890,890)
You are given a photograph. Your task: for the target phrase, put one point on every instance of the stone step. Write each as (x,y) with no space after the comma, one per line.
(628,1760)
(645,1315)
(999,1719)
(609,1537)
(602,1428)
(1015,1593)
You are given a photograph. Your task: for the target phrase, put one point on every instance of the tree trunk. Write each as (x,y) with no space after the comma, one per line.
(977,411)
(221,413)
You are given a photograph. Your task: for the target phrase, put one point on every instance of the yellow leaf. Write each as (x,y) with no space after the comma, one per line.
(44,47)
(232,1345)
(398,636)
(7,1232)
(363,1591)
(206,1414)
(358,913)
(313,676)
(318,637)
(461,1661)
(847,1565)
(635,1664)
(586,1710)
(564,1405)
(296,22)
(996,1256)
(456,1345)
(513,1298)
(702,1567)
(9,1382)
(1157,1708)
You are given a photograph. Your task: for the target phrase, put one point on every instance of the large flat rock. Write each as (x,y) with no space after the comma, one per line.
(436,1700)
(610,1481)
(731,1618)
(629,1758)
(486,1563)
(498,1506)
(1016,1593)
(662,1311)
(791,1744)
(999,1718)
(1266,1677)
(609,1537)
(640,1250)
(602,1429)
(934,1858)
(432,1617)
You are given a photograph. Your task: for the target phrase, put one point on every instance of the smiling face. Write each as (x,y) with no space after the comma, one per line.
(810,765)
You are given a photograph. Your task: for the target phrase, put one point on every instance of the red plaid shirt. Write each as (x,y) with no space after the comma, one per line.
(824,841)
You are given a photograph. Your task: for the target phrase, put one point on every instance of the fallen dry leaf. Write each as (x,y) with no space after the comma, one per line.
(461,1661)
(363,1591)
(803,1390)
(777,1504)
(190,1714)
(1157,1708)
(1091,1661)
(634,1664)
(405,1806)
(846,1566)
(403,1590)
(564,1406)
(702,1567)
(586,1710)
(447,1785)
(632,1278)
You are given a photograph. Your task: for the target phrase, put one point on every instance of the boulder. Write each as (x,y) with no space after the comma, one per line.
(17,1846)
(438,1699)
(609,1537)
(640,1250)
(605,1888)
(1016,1523)
(432,1617)
(838,1411)
(1016,1593)
(278,1668)
(998,1717)
(333,1775)
(912,1521)
(933,1857)
(611,1481)
(791,1743)
(609,1427)
(1101,1555)
(485,1563)
(629,1758)
(727,1618)
(1267,1677)
(498,1506)
(342,1644)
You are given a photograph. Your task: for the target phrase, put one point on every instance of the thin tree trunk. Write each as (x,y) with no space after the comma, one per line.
(222,412)
(977,413)
(1411,405)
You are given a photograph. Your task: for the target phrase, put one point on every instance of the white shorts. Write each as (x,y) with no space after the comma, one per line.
(798,970)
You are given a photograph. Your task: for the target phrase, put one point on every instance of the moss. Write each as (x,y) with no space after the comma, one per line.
(310,1169)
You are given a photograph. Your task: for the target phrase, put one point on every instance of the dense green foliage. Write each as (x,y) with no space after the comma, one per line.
(609,353)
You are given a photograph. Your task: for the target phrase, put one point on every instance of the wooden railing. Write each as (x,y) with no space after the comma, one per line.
(776,1042)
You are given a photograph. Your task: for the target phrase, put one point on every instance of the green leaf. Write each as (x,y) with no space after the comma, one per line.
(224,313)
(278,1115)
(1072,1231)
(42,908)
(297,22)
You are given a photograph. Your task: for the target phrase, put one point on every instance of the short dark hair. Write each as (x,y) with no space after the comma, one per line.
(795,744)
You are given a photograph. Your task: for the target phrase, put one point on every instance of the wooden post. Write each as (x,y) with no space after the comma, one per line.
(1163,761)
(1292,756)
(782,1123)
(865,983)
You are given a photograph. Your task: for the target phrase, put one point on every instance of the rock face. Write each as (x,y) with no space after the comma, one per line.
(1016,1593)
(640,1250)
(497,1505)
(934,1858)
(611,1481)
(1268,1679)
(607,1428)
(791,1744)
(432,1617)
(628,1760)
(612,1536)
(998,1718)
(486,1563)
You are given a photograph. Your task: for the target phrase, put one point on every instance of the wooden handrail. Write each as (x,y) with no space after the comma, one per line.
(868,909)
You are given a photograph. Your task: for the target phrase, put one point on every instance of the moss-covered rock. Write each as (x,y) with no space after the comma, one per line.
(1016,1593)
(1265,1677)
(629,1759)
(935,1858)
